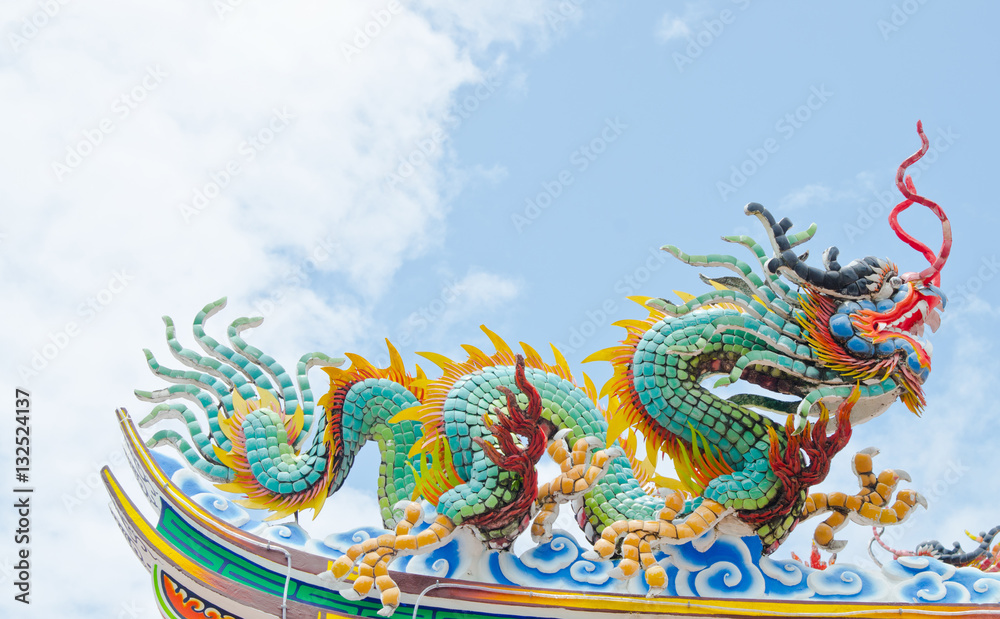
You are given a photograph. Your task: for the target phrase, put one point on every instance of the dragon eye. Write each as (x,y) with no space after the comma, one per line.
(896,281)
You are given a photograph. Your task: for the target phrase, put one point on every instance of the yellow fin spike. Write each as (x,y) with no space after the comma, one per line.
(421,377)
(360,363)
(422,444)
(698,461)
(267,400)
(589,388)
(644,471)
(684,296)
(631,442)
(419,478)
(231,488)
(251,503)
(395,362)
(652,450)
(318,501)
(239,404)
(631,324)
(276,515)
(605,354)
(498,343)
(640,300)
(321,496)
(227,425)
(719,286)
(682,464)
(294,424)
(476,356)
(616,426)
(412,413)
(439,360)
(561,361)
(336,374)
(224,457)
(612,385)
(648,472)
(531,355)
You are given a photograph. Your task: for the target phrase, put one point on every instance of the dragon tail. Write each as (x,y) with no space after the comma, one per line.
(249,418)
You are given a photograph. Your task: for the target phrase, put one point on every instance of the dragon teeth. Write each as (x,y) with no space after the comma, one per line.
(933,320)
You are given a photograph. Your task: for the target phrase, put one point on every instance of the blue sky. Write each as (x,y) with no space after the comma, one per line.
(511,164)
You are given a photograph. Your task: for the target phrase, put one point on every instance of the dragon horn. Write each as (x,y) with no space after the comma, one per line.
(904,183)
(797,270)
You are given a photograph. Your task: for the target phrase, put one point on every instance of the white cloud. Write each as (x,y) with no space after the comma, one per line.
(145,107)
(481,24)
(464,302)
(810,195)
(676,25)
(481,290)
(673,27)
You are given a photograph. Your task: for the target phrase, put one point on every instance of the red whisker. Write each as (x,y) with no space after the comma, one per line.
(931,274)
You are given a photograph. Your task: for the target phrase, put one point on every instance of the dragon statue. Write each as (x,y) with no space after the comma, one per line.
(841,343)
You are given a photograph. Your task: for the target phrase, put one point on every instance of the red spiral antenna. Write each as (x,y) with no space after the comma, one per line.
(931,274)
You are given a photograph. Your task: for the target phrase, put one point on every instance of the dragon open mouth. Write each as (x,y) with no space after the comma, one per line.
(898,323)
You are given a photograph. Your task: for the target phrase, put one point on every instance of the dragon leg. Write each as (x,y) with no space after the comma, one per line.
(870,506)
(640,537)
(374,555)
(581,469)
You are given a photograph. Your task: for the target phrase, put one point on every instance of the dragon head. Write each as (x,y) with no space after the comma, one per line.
(866,320)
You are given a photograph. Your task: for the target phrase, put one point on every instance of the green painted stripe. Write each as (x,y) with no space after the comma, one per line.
(202,550)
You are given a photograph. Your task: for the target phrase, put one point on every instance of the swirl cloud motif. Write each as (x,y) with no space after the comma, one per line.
(927,580)
(557,564)
(725,570)
(846,582)
(222,508)
(732,567)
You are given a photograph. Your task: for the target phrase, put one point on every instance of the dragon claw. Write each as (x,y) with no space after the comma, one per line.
(592,555)
(835,546)
(372,557)
(581,468)
(350,594)
(870,506)
(614,452)
(561,434)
